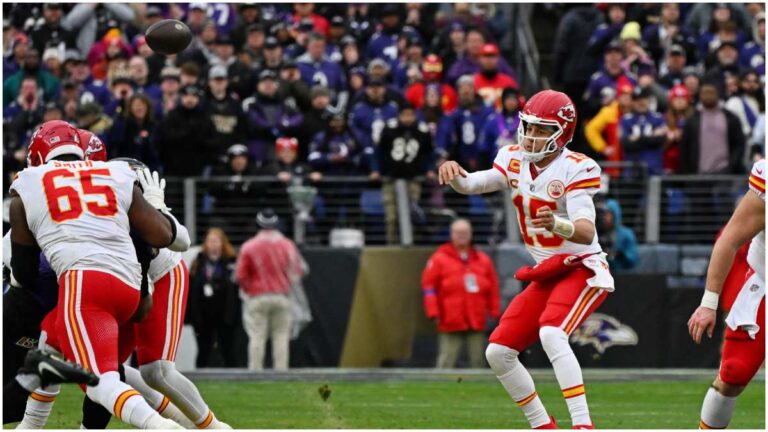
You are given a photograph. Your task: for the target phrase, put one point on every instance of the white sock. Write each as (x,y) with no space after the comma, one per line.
(39,407)
(568,373)
(162,376)
(122,400)
(155,399)
(517,382)
(717,410)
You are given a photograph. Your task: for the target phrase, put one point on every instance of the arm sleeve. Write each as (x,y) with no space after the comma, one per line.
(181,240)
(480,182)
(580,205)
(582,186)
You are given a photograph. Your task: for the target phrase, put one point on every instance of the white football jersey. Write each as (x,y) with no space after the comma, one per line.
(532,189)
(165,260)
(78,213)
(756,254)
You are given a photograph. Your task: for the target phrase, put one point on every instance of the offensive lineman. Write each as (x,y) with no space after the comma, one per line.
(156,336)
(80,218)
(551,188)
(744,346)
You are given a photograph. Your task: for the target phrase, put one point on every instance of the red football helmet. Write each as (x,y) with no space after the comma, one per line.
(51,139)
(94,148)
(432,68)
(552,109)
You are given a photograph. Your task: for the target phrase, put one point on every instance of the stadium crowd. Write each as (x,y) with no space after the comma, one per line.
(384,91)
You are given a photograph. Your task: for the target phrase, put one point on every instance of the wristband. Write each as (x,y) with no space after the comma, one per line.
(563,227)
(710,300)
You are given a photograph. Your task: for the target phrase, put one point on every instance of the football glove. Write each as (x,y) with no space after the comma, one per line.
(154,188)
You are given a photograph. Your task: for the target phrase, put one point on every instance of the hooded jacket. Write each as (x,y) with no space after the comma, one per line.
(447,296)
(623,240)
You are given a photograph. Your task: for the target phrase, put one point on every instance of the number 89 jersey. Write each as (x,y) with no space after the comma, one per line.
(569,176)
(78,212)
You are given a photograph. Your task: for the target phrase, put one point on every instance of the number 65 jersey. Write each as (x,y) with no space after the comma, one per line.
(566,186)
(78,212)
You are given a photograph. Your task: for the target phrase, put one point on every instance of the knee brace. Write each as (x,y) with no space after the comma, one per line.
(156,373)
(735,372)
(555,342)
(502,359)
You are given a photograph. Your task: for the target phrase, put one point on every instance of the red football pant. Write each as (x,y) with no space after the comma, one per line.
(742,355)
(159,334)
(92,307)
(563,302)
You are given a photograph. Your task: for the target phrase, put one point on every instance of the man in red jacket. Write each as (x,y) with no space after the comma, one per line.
(461,290)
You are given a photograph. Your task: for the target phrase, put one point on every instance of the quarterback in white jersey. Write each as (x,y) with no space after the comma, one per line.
(551,189)
(744,347)
(79,213)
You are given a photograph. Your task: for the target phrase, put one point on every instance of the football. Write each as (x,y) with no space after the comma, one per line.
(168,36)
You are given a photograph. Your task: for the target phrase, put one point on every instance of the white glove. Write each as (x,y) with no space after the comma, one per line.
(154,188)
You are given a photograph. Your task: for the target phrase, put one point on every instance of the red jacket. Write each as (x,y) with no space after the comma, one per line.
(415,95)
(447,297)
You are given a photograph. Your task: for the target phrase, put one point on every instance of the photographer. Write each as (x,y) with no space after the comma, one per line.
(617,240)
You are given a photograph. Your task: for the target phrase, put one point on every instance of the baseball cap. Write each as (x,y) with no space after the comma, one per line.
(271,42)
(51,53)
(377,62)
(489,50)
(640,93)
(348,40)
(73,55)
(288,63)
(614,45)
(170,72)
(676,50)
(267,74)
(679,91)
(198,6)
(728,44)
(224,39)
(338,21)
(217,71)
(190,90)
(237,150)
(466,80)
(306,24)
(287,143)
(319,91)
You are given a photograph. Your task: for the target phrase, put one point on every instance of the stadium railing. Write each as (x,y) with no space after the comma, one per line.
(660,209)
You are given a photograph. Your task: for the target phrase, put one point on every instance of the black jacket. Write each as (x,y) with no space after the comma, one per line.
(228,123)
(221,303)
(404,152)
(690,144)
(572,62)
(185,141)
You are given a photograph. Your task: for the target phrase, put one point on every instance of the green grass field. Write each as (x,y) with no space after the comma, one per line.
(471,403)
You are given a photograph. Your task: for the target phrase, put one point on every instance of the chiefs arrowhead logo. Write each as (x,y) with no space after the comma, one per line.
(567,113)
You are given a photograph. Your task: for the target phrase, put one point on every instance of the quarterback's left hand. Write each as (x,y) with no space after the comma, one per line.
(154,188)
(544,219)
(702,320)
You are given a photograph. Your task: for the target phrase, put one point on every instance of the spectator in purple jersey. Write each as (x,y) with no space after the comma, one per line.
(317,69)
(383,44)
(268,118)
(469,63)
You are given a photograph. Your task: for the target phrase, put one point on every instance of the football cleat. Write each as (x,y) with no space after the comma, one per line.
(551,425)
(55,371)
